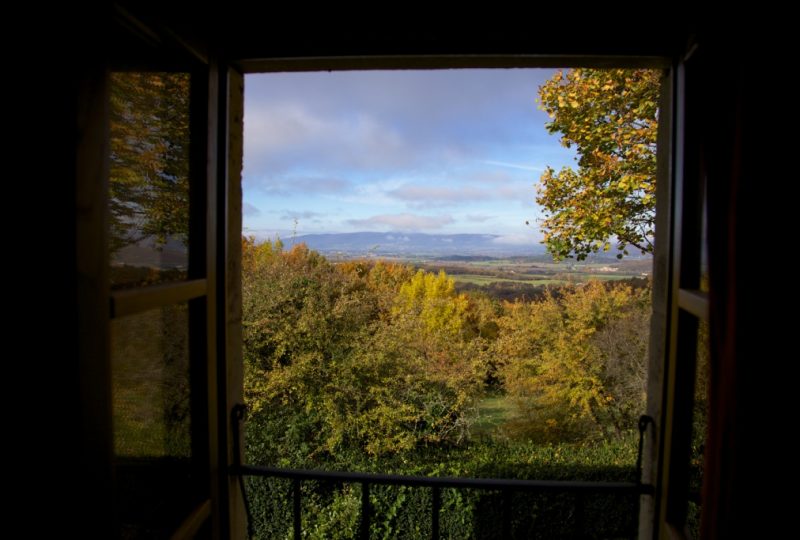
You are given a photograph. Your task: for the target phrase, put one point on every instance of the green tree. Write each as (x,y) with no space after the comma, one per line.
(352,359)
(302,321)
(611,117)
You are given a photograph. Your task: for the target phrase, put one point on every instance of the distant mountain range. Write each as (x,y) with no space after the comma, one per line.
(450,247)
(403,244)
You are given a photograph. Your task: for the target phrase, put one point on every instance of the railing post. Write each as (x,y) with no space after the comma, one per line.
(506,513)
(365,510)
(579,511)
(296,508)
(436,504)
(643,421)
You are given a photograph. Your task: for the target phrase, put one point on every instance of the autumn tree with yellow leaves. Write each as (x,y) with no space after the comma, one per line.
(575,365)
(610,116)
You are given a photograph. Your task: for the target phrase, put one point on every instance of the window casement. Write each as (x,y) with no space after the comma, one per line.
(687,306)
(148,261)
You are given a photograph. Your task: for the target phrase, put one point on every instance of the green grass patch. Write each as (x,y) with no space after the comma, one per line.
(606,277)
(478,279)
(493,412)
(536,280)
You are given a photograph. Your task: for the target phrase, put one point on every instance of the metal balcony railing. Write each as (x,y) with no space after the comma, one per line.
(506,487)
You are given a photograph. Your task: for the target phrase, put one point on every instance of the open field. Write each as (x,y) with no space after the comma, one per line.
(485,280)
(524,276)
(493,412)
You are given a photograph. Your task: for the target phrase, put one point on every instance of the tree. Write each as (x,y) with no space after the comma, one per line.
(611,117)
(354,358)
(575,365)
(302,321)
(432,298)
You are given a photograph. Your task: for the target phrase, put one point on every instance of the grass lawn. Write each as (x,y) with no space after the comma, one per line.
(493,411)
(533,280)
(478,279)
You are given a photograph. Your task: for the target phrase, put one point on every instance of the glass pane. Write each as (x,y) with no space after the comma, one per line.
(699,429)
(149,177)
(152,421)
(150,372)
(704,245)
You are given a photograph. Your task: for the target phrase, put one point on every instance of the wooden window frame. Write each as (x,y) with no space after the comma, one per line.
(687,306)
(100,305)
(676,294)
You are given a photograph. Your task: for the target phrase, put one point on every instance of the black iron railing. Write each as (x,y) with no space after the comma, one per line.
(506,487)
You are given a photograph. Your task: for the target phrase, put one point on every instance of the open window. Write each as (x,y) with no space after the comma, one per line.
(679,301)
(310,424)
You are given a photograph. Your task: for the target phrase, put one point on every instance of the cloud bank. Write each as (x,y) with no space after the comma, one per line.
(403,222)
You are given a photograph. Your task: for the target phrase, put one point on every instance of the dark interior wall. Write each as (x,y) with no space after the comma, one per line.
(253,30)
(752,224)
(56,479)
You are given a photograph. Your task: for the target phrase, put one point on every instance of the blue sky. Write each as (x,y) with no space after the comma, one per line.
(452,151)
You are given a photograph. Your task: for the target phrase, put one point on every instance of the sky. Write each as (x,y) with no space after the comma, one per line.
(445,152)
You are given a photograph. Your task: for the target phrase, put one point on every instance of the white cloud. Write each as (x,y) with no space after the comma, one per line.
(515,192)
(491,176)
(436,195)
(290,214)
(250,210)
(313,185)
(286,136)
(425,196)
(520,166)
(479,218)
(277,126)
(517,239)
(411,222)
